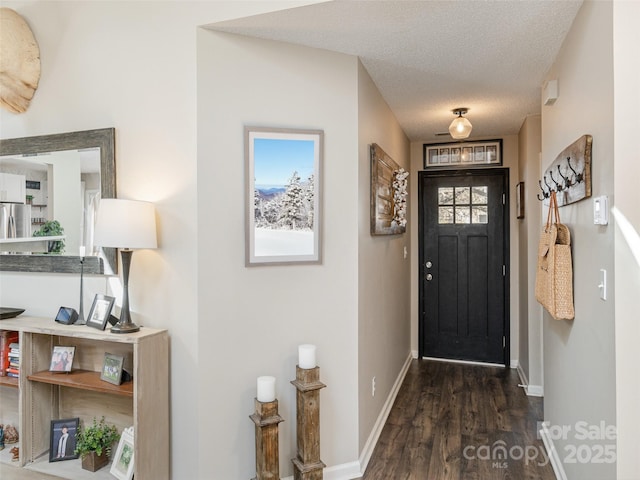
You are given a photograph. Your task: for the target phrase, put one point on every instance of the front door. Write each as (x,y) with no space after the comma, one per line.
(464,265)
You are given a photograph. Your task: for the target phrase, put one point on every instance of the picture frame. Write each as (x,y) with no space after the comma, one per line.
(123,461)
(463,154)
(520,200)
(387,205)
(100,311)
(283,176)
(112,368)
(62,439)
(62,358)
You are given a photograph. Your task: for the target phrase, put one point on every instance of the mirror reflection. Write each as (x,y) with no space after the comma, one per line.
(50,188)
(59,186)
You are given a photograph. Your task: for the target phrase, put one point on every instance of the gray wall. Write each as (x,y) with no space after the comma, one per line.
(579,355)
(530,312)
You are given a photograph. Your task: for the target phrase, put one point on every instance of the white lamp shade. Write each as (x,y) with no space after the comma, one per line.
(129,224)
(460,128)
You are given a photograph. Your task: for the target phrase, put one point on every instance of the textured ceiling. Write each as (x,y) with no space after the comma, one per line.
(429,57)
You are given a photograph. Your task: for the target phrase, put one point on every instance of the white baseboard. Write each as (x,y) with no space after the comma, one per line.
(554,458)
(530,390)
(514,363)
(346,471)
(367,451)
(414,354)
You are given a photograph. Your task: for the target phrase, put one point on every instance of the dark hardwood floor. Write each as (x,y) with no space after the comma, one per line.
(453,421)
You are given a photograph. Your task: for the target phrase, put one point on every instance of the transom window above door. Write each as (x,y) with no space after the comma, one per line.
(463,205)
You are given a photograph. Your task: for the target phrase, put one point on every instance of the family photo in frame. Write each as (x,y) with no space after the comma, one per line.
(62,358)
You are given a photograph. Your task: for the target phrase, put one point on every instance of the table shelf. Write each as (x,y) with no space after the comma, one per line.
(84,380)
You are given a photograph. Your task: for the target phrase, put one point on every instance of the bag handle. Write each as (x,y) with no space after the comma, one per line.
(554,212)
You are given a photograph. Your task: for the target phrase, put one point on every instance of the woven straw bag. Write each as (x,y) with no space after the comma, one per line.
(554,274)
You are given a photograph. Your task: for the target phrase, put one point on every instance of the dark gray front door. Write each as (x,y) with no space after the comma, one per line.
(463,265)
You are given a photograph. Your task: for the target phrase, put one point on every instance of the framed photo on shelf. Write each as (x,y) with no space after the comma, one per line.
(62,443)
(62,358)
(122,466)
(470,154)
(520,200)
(100,311)
(283,170)
(112,368)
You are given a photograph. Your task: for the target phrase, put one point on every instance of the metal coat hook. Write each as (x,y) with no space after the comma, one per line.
(566,181)
(545,193)
(559,187)
(579,177)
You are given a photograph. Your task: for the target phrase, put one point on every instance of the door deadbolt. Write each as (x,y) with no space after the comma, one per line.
(429,277)
(428,264)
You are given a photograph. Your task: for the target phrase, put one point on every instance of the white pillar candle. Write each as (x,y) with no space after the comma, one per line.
(266,389)
(307,356)
(82,251)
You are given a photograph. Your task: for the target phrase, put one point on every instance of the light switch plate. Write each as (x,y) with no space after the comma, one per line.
(603,284)
(601,210)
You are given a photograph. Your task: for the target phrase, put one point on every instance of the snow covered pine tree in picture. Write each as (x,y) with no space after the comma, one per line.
(283,196)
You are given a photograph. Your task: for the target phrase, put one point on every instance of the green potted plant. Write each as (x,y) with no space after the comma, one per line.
(50,229)
(94,444)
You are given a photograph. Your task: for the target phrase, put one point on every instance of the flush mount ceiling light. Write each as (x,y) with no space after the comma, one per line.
(460,127)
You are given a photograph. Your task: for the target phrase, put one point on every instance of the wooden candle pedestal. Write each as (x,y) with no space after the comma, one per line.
(307,465)
(266,419)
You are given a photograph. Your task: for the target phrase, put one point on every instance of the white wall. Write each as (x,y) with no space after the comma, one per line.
(626,64)
(132,66)
(579,355)
(510,161)
(384,321)
(254,318)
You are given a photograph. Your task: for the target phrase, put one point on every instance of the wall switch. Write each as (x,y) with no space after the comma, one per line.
(601,210)
(373,387)
(405,252)
(603,284)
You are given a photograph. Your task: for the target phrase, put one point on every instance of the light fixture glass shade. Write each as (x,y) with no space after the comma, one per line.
(128,224)
(460,127)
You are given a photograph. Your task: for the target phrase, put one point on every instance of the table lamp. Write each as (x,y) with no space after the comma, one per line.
(128,225)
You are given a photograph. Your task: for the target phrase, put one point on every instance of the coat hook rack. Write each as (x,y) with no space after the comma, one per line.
(575,183)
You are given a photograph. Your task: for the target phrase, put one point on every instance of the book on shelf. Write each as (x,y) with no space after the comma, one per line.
(14,375)
(7,339)
(13,370)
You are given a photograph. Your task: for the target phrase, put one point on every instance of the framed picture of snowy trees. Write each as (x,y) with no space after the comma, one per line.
(283,176)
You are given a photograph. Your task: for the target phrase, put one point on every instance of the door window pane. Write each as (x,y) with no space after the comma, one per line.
(479,215)
(462,195)
(479,195)
(445,214)
(445,196)
(462,214)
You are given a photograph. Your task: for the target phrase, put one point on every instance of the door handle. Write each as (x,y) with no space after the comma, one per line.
(428,264)
(429,277)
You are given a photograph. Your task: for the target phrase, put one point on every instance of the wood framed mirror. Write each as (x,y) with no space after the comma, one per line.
(100,142)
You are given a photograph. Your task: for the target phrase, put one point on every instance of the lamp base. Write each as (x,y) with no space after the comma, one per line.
(125,328)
